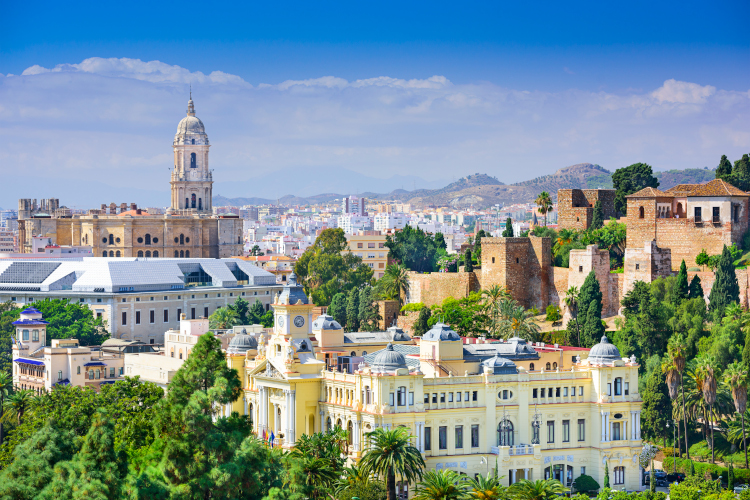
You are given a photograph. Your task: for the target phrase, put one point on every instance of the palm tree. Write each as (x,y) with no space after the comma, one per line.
(352,476)
(312,476)
(395,282)
(6,386)
(735,377)
(443,484)
(16,405)
(492,299)
(571,302)
(223,318)
(544,202)
(391,453)
(677,349)
(669,369)
(706,367)
(486,487)
(541,489)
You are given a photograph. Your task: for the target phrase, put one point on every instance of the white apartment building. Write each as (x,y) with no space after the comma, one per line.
(7,241)
(353,205)
(352,224)
(390,221)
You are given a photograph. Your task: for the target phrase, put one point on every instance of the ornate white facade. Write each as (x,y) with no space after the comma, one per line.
(192,183)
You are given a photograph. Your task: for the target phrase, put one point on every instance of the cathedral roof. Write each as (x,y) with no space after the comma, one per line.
(191,128)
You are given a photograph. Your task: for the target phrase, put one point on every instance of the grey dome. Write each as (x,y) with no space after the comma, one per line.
(191,125)
(326,322)
(604,352)
(516,348)
(292,292)
(441,331)
(241,343)
(388,360)
(500,366)
(190,130)
(398,335)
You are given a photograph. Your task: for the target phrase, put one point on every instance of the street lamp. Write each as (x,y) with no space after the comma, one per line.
(674,443)
(536,423)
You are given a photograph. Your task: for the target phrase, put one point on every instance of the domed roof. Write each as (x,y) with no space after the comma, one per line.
(292,292)
(191,125)
(326,322)
(190,130)
(499,366)
(241,343)
(398,335)
(604,352)
(388,360)
(441,331)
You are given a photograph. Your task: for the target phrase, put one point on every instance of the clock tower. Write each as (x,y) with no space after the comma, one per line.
(292,321)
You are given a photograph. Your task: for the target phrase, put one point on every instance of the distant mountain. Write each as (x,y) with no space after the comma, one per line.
(482,190)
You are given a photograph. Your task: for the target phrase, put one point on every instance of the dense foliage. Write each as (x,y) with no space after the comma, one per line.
(415,249)
(629,180)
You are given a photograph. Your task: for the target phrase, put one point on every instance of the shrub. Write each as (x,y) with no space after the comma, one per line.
(585,483)
(553,313)
(412,307)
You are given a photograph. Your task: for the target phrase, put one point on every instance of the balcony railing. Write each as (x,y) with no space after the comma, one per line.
(716,219)
(513,451)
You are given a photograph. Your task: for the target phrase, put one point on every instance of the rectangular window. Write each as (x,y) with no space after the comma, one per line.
(549,392)
(475,396)
(566,431)
(179,314)
(427,438)
(459,436)
(442,397)
(443,437)
(627,388)
(434,398)
(426,399)
(166,315)
(450,397)
(78,371)
(411,399)
(697,214)
(151,316)
(609,388)
(466,396)
(565,392)
(580,390)
(619,475)
(475,436)
(505,394)
(550,432)
(124,318)
(205,312)
(557,392)
(401,396)
(138,317)
(112,371)
(192,313)
(583,471)
(581,430)
(35,335)
(534,393)
(616,431)
(391,397)
(59,375)
(458,397)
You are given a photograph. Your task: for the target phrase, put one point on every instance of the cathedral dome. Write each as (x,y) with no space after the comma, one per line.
(191,125)
(604,352)
(388,360)
(241,343)
(190,130)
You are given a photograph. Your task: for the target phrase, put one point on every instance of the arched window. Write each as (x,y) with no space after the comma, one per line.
(640,213)
(328,424)
(148,239)
(192,160)
(111,239)
(619,475)
(156,253)
(350,428)
(200,203)
(192,200)
(352,353)
(182,253)
(180,353)
(117,253)
(187,253)
(176,253)
(338,424)
(364,353)
(148,253)
(182,239)
(505,438)
(554,365)
(91,374)
(104,253)
(111,253)
(193,143)
(367,394)
(547,367)
(98,374)
(187,203)
(531,367)
(140,253)
(172,352)
(618,386)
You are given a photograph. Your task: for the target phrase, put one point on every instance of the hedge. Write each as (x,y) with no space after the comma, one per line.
(701,468)
(414,307)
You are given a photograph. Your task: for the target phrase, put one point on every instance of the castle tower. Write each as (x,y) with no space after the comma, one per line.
(192,183)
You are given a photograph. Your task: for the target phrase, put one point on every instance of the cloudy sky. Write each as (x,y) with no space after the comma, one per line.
(346,99)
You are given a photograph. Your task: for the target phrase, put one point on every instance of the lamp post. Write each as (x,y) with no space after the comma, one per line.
(536,423)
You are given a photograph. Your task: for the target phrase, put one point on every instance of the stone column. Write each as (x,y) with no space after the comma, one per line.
(638,425)
(604,427)
(244,399)
(512,476)
(609,426)
(321,423)
(355,438)
(526,474)
(293,417)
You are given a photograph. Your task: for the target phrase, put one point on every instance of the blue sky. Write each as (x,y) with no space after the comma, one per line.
(488,87)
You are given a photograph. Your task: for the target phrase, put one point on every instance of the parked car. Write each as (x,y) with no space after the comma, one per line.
(677,476)
(740,488)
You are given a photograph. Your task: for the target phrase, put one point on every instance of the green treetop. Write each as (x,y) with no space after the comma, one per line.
(724,170)
(681,288)
(337,308)
(352,311)
(726,289)
(508,231)
(630,179)
(597,220)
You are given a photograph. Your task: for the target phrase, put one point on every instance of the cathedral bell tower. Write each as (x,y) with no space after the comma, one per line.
(192,183)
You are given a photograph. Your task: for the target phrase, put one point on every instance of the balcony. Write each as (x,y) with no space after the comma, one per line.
(515,451)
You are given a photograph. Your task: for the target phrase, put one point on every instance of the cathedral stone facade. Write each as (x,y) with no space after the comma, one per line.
(188,229)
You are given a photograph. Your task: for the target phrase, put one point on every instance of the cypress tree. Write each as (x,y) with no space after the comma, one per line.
(352,311)
(590,292)
(368,311)
(741,173)
(746,351)
(508,231)
(420,326)
(657,407)
(338,308)
(696,290)
(597,220)
(726,289)
(681,288)
(730,475)
(692,468)
(468,264)
(606,473)
(593,331)
(724,170)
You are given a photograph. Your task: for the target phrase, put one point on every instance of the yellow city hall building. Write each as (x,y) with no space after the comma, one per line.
(537,411)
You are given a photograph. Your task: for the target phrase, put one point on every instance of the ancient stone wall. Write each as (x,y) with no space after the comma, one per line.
(558,286)
(582,262)
(645,264)
(433,288)
(388,311)
(575,206)
(519,265)
(406,322)
(616,282)
(707,282)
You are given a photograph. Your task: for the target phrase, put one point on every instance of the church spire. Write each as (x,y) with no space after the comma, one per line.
(191,106)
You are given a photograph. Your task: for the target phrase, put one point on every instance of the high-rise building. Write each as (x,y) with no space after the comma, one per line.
(353,205)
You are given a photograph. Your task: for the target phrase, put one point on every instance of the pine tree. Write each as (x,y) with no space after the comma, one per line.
(352,311)
(256,312)
(681,287)
(420,326)
(726,289)
(508,231)
(593,331)
(741,173)
(590,292)
(606,473)
(724,170)
(337,308)
(657,407)
(597,220)
(368,311)
(241,307)
(696,290)
(468,264)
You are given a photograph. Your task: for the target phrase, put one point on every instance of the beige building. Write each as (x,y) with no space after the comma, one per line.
(370,245)
(188,229)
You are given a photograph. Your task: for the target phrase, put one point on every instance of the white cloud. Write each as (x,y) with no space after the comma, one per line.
(112,121)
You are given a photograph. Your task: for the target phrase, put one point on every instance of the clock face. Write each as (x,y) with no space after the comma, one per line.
(280,320)
(299,321)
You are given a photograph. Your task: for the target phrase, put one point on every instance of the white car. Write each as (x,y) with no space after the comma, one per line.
(740,488)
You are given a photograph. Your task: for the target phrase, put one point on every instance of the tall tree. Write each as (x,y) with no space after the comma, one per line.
(735,376)
(337,308)
(368,310)
(352,311)
(420,326)
(594,330)
(6,387)
(508,231)
(478,244)
(390,454)
(630,179)
(414,249)
(468,264)
(571,302)
(544,202)
(726,289)
(255,315)
(676,349)
(440,241)
(590,293)
(597,219)
(707,368)
(241,307)
(656,407)
(741,173)
(695,290)
(724,170)
(395,283)
(681,288)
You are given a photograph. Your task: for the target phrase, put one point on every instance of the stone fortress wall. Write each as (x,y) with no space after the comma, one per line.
(575,207)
